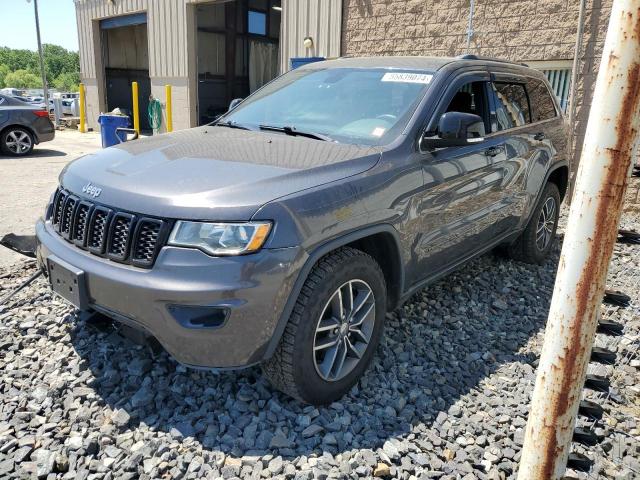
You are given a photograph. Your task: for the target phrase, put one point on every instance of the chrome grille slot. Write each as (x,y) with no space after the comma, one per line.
(120,236)
(66,218)
(146,242)
(80,223)
(59,200)
(98,228)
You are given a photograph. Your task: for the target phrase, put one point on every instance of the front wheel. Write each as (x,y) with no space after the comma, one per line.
(16,141)
(536,242)
(333,331)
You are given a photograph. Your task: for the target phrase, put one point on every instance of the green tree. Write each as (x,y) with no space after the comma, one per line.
(4,71)
(19,59)
(59,60)
(23,79)
(67,82)
(61,67)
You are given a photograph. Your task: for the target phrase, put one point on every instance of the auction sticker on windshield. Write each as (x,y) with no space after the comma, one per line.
(407,77)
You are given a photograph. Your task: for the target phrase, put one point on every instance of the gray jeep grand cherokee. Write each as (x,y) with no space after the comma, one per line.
(281,234)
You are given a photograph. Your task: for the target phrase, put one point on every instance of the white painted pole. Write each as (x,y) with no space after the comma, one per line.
(595,212)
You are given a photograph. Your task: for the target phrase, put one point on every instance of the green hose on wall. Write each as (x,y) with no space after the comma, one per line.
(155,114)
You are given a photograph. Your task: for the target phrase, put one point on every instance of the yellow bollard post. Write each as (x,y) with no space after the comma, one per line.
(169,108)
(83,116)
(136,108)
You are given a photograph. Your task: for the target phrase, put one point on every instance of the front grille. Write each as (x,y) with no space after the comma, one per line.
(119,236)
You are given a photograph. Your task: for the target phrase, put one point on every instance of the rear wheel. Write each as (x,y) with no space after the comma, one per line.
(536,242)
(333,331)
(16,141)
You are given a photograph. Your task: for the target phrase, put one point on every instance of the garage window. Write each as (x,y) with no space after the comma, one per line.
(257,23)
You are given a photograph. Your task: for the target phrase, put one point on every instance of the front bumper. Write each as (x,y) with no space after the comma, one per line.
(252,289)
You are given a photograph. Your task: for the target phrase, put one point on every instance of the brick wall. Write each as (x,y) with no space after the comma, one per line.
(521,30)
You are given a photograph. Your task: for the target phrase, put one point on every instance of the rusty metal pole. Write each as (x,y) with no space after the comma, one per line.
(595,212)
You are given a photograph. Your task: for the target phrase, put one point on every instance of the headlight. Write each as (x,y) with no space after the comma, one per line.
(220,238)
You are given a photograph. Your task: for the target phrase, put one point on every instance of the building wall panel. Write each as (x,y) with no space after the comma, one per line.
(167,49)
(166,23)
(319,19)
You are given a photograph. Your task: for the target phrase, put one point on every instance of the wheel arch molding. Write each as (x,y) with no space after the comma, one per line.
(555,167)
(359,239)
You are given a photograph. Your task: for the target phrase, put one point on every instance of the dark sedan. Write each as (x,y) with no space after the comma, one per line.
(22,126)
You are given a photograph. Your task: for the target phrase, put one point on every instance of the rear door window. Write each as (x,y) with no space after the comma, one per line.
(542,105)
(511,105)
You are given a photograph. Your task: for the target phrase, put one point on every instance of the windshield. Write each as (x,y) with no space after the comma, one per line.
(350,105)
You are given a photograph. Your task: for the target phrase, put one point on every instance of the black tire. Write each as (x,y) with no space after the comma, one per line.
(8,143)
(527,248)
(293,368)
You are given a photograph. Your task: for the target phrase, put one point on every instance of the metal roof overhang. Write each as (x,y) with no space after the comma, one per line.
(123,21)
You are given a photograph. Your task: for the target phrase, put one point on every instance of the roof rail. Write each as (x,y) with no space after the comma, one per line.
(470,56)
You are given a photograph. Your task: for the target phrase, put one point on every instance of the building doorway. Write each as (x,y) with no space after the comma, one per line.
(237,51)
(126,60)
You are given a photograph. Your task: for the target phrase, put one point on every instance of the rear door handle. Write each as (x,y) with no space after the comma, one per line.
(539,136)
(492,151)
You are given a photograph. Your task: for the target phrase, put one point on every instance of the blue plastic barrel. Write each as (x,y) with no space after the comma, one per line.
(300,61)
(108,125)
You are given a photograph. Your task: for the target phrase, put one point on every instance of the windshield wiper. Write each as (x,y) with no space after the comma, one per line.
(288,130)
(231,124)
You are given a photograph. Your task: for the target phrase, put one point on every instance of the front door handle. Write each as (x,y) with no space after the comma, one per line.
(493,151)
(539,136)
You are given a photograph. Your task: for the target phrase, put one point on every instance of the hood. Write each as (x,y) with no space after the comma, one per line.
(211,173)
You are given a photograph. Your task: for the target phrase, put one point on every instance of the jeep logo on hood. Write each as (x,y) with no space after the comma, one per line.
(91,190)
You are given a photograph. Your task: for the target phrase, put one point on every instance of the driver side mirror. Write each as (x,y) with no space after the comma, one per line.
(456,129)
(234,103)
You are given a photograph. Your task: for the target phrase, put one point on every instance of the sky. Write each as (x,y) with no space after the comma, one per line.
(57,24)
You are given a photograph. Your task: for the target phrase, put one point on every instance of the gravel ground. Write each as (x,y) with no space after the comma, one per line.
(447,396)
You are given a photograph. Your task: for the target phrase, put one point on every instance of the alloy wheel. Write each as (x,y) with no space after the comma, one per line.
(344,330)
(546,223)
(18,142)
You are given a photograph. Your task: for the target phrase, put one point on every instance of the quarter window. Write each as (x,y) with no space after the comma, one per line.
(512,105)
(542,105)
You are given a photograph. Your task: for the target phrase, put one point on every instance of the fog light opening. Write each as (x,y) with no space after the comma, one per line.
(192,316)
